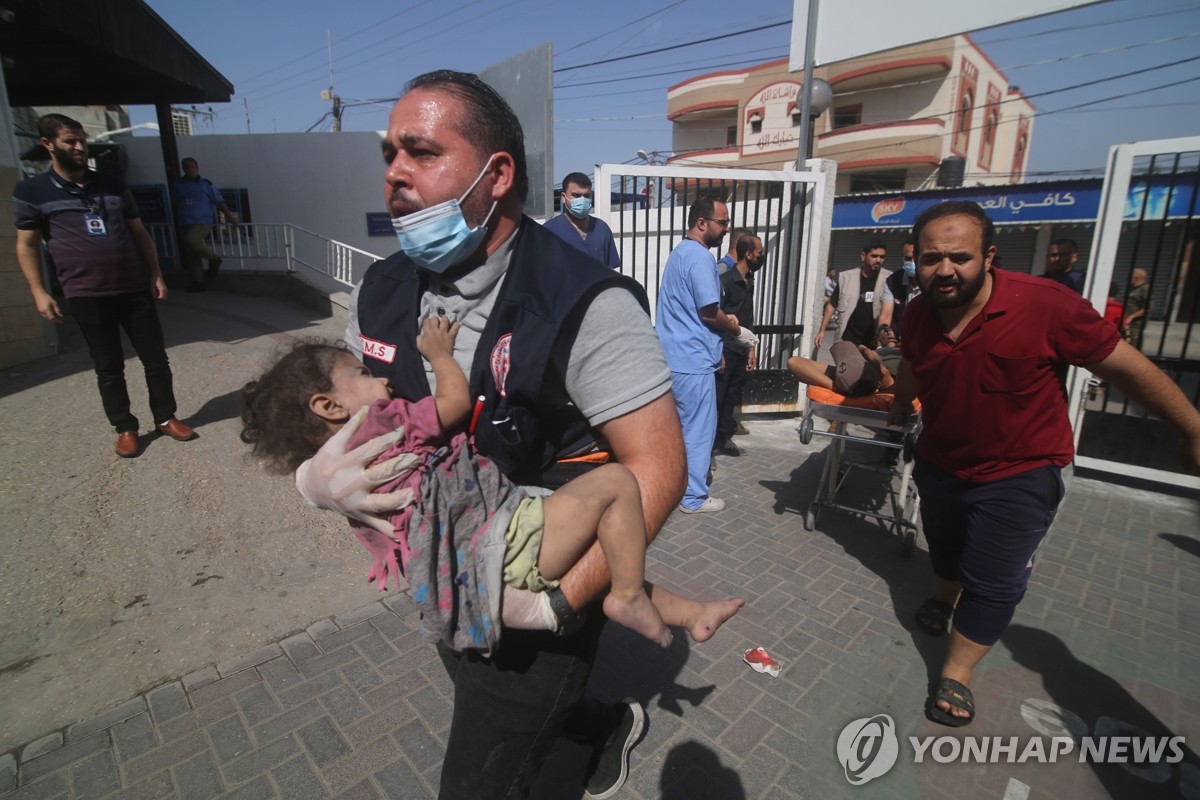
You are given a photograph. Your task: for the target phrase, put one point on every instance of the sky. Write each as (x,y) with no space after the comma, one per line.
(277,55)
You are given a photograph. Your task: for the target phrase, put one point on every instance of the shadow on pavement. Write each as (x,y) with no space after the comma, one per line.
(691,771)
(216,409)
(1094,704)
(627,666)
(1185,543)
(909,580)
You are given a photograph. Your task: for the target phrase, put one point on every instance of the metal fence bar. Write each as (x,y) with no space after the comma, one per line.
(1112,434)
(758,199)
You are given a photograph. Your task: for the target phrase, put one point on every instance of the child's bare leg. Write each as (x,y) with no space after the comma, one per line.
(604,504)
(701,618)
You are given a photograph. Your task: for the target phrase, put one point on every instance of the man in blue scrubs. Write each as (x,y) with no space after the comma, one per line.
(576,225)
(689,325)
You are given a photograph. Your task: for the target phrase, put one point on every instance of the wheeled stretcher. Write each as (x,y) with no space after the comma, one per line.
(870,412)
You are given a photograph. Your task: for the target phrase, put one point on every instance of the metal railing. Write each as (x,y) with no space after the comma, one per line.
(274,246)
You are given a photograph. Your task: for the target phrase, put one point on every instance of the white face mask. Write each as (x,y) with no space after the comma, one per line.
(437,238)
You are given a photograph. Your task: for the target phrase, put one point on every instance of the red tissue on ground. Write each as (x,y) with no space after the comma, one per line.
(761,661)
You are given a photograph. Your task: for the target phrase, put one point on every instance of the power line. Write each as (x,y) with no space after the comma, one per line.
(600,36)
(605,119)
(692,43)
(1136,17)
(700,64)
(1105,52)
(369,62)
(1136,108)
(629,24)
(347,37)
(741,63)
(295,81)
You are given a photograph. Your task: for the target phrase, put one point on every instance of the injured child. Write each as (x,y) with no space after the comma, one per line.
(857,370)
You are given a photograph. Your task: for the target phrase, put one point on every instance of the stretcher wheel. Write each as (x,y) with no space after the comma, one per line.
(806,430)
(810,517)
(907,449)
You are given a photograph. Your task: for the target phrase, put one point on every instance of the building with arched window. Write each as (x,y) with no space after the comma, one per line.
(898,118)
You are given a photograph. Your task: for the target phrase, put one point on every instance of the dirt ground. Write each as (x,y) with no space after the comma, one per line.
(117,575)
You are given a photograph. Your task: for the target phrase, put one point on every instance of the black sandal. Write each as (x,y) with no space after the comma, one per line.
(934,616)
(956,695)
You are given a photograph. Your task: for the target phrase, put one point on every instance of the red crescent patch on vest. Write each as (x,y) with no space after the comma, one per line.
(501,360)
(380,351)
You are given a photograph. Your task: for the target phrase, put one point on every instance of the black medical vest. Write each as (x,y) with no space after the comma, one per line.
(544,293)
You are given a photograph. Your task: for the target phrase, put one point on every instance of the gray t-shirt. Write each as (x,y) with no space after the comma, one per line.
(615,364)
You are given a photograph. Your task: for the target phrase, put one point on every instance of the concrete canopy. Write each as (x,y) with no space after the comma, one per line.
(65,52)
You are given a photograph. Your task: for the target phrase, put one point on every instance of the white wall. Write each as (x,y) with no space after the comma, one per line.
(897,102)
(707,134)
(324,182)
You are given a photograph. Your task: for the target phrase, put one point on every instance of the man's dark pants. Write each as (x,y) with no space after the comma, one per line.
(730,383)
(101,319)
(985,535)
(509,709)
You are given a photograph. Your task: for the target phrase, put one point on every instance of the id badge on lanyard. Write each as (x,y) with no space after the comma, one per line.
(94,224)
(93,220)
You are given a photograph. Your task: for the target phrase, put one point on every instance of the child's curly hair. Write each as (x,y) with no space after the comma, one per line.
(276,419)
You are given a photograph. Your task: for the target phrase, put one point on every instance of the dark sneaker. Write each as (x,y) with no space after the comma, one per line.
(728,449)
(609,767)
(214,267)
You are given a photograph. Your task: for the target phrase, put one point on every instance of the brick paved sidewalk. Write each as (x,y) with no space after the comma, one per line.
(358,706)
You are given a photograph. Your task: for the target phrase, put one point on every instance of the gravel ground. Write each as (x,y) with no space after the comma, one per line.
(117,575)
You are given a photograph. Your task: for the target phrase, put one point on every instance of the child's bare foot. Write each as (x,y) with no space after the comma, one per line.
(640,615)
(710,616)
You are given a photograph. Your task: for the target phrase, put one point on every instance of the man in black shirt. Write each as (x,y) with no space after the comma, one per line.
(858,298)
(108,269)
(737,299)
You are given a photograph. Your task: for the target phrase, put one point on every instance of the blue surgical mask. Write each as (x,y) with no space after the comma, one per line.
(910,269)
(580,207)
(437,238)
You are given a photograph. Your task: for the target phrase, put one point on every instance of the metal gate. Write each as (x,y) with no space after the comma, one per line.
(1148,220)
(790,211)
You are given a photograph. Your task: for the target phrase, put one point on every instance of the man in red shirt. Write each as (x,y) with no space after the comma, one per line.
(981,343)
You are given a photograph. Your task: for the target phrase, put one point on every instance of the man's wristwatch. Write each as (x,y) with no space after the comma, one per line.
(569,621)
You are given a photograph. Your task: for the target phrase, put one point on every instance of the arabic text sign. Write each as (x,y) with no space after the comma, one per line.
(1009,205)
(1067,201)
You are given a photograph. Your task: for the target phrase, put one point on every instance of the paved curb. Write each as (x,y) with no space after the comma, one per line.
(261,725)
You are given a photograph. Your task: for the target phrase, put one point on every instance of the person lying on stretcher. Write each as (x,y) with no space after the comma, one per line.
(857,370)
